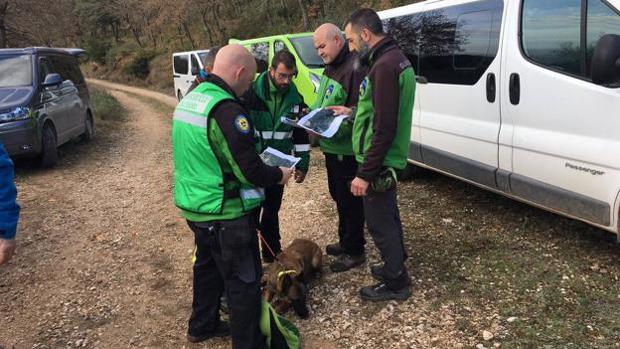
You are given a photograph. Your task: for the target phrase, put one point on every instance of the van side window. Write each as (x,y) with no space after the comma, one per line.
(474,31)
(181,64)
(278,46)
(602,20)
(406,31)
(260,51)
(45,68)
(195,65)
(552,33)
(459,43)
(64,66)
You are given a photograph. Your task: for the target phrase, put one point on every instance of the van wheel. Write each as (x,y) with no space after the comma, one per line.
(49,149)
(179,95)
(89,128)
(410,172)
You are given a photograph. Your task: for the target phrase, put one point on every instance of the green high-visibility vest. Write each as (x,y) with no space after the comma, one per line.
(200,185)
(331,93)
(396,156)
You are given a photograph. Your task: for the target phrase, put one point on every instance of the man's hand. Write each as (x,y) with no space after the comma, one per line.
(299,176)
(340,110)
(359,187)
(7,248)
(286,175)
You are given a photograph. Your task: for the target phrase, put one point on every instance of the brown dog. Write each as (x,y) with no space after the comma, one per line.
(287,277)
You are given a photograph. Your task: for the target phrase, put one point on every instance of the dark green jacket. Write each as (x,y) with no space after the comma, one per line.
(266,107)
(382,127)
(340,86)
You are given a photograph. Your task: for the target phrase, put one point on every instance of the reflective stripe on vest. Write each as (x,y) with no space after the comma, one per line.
(302,147)
(274,135)
(252,193)
(194,120)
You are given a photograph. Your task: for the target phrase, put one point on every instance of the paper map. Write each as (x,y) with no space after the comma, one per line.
(320,121)
(277,158)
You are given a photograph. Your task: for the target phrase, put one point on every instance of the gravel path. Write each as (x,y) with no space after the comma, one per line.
(104,259)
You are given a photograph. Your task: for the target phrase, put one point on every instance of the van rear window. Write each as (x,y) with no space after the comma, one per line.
(15,71)
(181,64)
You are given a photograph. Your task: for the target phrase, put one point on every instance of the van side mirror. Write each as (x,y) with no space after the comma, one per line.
(606,61)
(52,80)
(195,71)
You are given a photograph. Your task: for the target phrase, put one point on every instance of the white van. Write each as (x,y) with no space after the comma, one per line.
(185,67)
(521,97)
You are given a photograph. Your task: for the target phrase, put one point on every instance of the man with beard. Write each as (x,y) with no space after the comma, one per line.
(272,96)
(340,86)
(381,135)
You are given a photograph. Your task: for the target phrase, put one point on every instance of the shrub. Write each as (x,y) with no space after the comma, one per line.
(139,65)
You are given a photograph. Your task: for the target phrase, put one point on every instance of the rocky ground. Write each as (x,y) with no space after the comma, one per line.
(104,259)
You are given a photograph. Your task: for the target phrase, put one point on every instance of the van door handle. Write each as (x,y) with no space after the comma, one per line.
(421,79)
(491,88)
(176,76)
(515,88)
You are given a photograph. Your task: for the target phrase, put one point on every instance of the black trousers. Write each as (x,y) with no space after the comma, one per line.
(269,221)
(383,220)
(227,259)
(350,208)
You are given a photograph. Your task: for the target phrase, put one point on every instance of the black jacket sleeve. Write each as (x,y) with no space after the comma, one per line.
(242,145)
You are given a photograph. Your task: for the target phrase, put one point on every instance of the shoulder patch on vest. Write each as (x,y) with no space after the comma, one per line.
(363,87)
(242,124)
(329,91)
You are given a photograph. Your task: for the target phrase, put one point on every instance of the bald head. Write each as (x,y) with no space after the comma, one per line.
(327,31)
(236,66)
(328,41)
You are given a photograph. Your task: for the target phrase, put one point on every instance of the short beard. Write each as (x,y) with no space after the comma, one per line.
(364,50)
(278,87)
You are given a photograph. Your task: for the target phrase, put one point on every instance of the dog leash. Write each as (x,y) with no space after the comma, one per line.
(266,244)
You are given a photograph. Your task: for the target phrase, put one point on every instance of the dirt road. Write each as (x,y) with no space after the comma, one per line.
(104,260)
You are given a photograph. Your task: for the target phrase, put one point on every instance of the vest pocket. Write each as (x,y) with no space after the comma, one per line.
(199,196)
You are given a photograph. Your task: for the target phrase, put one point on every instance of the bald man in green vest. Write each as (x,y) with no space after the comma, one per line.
(218,181)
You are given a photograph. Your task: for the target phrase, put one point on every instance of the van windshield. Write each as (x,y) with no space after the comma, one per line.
(306,51)
(15,71)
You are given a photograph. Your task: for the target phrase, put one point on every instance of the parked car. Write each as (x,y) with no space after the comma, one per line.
(185,67)
(44,101)
(521,97)
(309,64)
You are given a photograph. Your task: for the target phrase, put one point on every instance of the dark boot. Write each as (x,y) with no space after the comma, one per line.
(222,330)
(346,262)
(377,272)
(334,249)
(380,292)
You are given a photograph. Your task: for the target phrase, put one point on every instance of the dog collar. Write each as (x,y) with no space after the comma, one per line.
(286,272)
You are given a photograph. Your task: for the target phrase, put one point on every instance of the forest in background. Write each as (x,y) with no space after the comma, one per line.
(132,40)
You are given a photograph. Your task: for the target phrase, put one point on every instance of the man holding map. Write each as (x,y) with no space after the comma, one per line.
(340,86)
(272,97)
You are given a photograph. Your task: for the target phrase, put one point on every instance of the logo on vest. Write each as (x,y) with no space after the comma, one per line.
(363,87)
(329,91)
(242,124)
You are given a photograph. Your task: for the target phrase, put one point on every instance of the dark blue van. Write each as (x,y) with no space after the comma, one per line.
(44,101)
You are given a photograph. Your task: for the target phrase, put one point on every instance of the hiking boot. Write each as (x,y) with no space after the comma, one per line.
(377,272)
(380,292)
(222,330)
(334,249)
(346,262)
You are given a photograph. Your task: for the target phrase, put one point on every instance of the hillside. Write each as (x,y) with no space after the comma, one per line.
(131,41)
